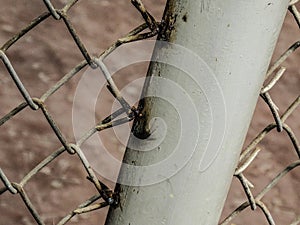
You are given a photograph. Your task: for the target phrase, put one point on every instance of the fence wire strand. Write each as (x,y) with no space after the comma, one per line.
(126,113)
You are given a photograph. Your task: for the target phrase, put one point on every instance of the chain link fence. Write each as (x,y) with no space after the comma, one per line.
(250,152)
(104,196)
(123,115)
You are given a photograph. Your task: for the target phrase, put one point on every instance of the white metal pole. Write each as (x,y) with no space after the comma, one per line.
(204,88)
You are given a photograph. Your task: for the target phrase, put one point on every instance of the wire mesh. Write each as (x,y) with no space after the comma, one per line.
(250,153)
(123,115)
(104,196)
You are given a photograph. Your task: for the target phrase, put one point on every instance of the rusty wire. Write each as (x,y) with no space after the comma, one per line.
(252,150)
(109,198)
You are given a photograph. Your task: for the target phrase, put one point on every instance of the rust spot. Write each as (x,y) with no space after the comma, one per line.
(184,18)
(168,22)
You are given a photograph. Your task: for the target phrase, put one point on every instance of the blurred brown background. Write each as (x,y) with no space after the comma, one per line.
(48,52)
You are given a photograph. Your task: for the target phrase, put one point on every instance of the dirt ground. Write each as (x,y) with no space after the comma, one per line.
(48,52)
